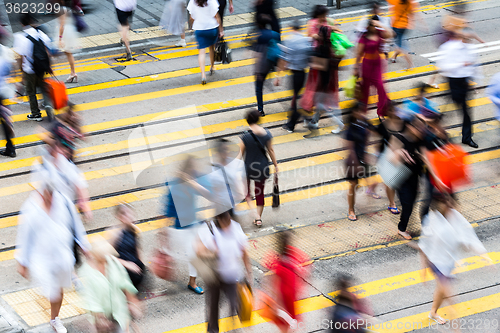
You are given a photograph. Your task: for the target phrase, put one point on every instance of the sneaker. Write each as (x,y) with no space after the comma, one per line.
(58,326)
(338,129)
(262,113)
(181,43)
(8,153)
(312,126)
(35,117)
(286,128)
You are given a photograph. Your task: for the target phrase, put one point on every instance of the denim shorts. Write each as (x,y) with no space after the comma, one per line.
(399,37)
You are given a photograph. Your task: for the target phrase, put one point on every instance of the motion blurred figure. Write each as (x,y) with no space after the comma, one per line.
(125,239)
(6,62)
(266,7)
(384,20)
(108,293)
(173,19)
(446,236)
(124,12)
(49,227)
(493,93)
(68,38)
(225,240)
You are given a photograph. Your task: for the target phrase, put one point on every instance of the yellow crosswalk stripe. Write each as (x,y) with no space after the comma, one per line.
(364,290)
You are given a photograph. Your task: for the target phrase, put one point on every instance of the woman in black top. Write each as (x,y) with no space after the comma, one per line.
(255,145)
(407,146)
(125,240)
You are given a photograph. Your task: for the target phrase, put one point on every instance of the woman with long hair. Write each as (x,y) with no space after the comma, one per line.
(207,28)
(368,54)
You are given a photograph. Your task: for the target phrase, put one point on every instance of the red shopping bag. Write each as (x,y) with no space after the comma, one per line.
(57,92)
(449,165)
(162,265)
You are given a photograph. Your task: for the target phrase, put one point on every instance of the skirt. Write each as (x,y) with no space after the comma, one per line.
(173,18)
(206,38)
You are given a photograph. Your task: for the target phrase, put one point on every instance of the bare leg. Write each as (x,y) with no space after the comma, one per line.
(55,307)
(183,35)
(192,281)
(351,195)
(71,61)
(260,209)
(201,62)
(124,29)
(211,49)
(390,195)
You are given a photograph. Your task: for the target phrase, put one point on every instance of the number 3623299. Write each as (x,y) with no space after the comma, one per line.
(32,8)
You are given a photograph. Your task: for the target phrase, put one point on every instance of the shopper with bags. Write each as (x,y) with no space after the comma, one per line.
(368,57)
(31,45)
(225,241)
(255,145)
(48,232)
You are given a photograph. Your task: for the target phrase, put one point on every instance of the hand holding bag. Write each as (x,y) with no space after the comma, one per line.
(276,193)
(206,265)
(245,301)
(393,173)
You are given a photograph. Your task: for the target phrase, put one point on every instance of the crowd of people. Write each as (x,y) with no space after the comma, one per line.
(208,238)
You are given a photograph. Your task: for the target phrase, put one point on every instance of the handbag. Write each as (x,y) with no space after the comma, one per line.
(340,44)
(350,86)
(276,194)
(162,265)
(80,24)
(206,266)
(222,52)
(57,92)
(245,301)
(393,174)
(449,165)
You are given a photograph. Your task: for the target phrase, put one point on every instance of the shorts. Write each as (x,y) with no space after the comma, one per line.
(123,17)
(399,37)
(206,38)
(439,275)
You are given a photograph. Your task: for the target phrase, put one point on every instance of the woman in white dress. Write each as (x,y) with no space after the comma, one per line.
(174,19)
(68,40)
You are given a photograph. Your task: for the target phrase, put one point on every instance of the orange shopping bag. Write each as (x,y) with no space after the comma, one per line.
(57,92)
(449,165)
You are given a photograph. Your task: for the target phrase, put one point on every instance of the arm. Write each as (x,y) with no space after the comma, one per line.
(248,267)
(221,28)
(231,7)
(242,150)
(270,150)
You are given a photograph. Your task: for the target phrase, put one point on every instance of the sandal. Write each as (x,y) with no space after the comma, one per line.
(438,319)
(352,217)
(404,234)
(258,222)
(373,195)
(394,210)
(196,290)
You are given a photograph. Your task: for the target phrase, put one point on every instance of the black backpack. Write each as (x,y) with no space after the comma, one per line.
(41,60)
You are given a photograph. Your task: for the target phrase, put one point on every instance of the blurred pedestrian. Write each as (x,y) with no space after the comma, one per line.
(255,145)
(266,7)
(493,93)
(291,269)
(403,13)
(173,20)
(321,90)
(384,20)
(226,240)
(456,64)
(368,54)
(6,63)
(297,51)
(356,163)
(180,206)
(34,62)
(266,40)
(68,38)
(222,9)
(49,228)
(207,28)
(446,236)
(407,147)
(125,240)
(108,293)
(124,12)
(389,125)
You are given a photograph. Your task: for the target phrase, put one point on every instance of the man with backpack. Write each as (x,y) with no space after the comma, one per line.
(31,45)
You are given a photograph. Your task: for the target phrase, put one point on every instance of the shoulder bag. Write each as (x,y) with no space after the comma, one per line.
(206,266)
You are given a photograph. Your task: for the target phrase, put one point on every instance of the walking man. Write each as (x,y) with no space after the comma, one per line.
(124,11)
(31,45)
(456,64)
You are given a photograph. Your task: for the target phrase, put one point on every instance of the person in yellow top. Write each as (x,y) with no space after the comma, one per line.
(403,13)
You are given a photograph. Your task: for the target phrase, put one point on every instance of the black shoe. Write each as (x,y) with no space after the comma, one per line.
(8,153)
(286,128)
(470,143)
(35,117)
(262,113)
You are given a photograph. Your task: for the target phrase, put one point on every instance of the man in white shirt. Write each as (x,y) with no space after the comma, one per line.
(457,64)
(24,46)
(124,11)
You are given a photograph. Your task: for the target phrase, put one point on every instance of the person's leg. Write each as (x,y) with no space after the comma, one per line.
(390,196)
(407,195)
(259,86)
(259,196)
(212,302)
(55,306)
(298,82)
(47,100)
(467,123)
(30,84)
(71,61)
(201,62)
(351,196)
(9,135)
(211,50)
(443,291)
(428,196)
(124,32)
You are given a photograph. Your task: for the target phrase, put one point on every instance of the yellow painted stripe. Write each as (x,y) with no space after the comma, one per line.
(320,302)
(460,310)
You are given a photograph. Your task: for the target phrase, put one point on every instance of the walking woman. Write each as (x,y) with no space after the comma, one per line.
(371,65)
(356,166)
(125,240)
(403,13)
(207,27)
(255,145)
(68,39)
(265,41)
(173,20)
(322,84)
